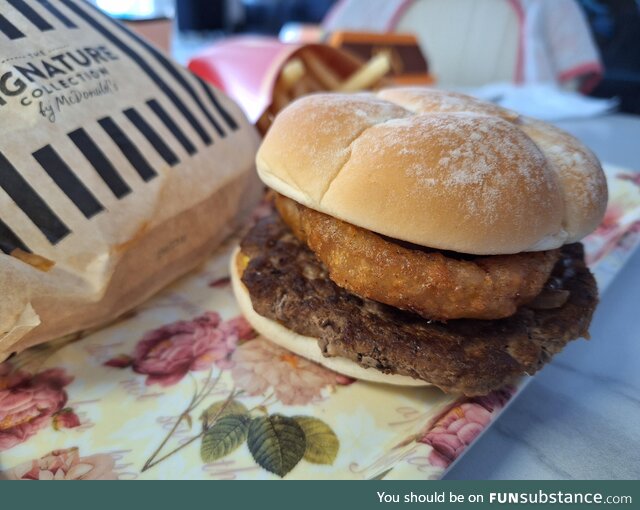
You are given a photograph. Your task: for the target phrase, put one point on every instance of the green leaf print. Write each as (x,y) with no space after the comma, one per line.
(277,443)
(218,410)
(322,442)
(225,436)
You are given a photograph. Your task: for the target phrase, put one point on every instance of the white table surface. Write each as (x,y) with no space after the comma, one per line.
(580,416)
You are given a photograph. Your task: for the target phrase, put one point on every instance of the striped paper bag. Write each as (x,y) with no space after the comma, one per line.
(119,170)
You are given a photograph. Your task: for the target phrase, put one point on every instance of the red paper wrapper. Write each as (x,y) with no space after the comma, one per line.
(247,67)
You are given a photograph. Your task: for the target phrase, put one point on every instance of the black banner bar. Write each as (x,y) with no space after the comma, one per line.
(99,161)
(31,203)
(57,13)
(127,148)
(68,181)
(125,48)
(154,138)
(27,11)
(171,126)
(9,29)
(9,241)
(217,105)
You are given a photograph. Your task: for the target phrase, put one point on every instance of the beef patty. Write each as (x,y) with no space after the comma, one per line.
(288,284)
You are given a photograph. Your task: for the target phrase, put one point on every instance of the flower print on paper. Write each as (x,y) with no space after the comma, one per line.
(610,221)
(29,403)
(220,283)
(629,176)
(260,365)
(64,465)
(610,233)
(278,443)
(65,419)
(457,427)
(165,355)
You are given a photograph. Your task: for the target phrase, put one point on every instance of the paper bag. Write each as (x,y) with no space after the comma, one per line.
(119,170)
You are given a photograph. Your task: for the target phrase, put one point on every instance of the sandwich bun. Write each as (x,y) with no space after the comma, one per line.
(435,168)
(305,346)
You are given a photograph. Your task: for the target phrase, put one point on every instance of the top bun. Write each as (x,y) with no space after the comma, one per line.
(435,168)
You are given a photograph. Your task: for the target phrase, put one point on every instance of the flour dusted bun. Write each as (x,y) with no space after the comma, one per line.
(579,173)
(305,346)
(435,168)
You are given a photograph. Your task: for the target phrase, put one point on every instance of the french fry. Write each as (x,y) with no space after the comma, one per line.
(291,73)
(300,88)
(313,84)
(280,97)
(307,84)
(263,123)
(370,73)
(307,73)
(320,71)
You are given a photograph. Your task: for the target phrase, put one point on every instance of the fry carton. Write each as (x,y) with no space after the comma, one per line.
(264,74)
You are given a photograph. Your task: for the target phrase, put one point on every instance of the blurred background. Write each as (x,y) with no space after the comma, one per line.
(592,46)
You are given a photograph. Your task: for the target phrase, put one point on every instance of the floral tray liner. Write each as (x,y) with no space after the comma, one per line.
(182,388)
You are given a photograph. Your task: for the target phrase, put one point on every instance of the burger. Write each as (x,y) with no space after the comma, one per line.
(421,237)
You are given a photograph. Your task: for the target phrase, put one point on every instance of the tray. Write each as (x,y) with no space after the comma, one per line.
(182,389)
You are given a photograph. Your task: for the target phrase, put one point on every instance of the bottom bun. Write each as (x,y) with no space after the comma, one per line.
(304,346)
